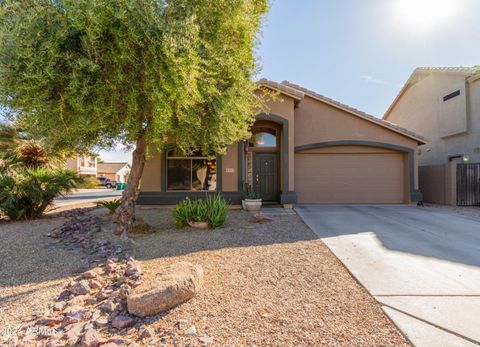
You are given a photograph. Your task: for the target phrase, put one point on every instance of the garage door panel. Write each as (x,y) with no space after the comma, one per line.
(350,178)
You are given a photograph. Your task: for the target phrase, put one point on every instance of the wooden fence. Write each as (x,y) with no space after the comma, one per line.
(468,184)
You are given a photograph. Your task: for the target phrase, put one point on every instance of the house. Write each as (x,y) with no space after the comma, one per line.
(307,149)
(84,165)
(115,171)
(444,105)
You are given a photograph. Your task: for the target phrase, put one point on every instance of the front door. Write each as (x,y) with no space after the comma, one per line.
(265,175)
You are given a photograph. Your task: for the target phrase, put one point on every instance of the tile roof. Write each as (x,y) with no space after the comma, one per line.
(292,92)
(110,167)
(461,69)
(357,112)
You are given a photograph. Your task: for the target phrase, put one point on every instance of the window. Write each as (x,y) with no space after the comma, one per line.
(451,95)
(263,137)
(196,173)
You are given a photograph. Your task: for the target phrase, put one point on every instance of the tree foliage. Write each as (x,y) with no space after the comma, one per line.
(84,73)
(87,73)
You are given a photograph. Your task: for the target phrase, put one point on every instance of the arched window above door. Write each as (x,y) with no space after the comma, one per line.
(263,137)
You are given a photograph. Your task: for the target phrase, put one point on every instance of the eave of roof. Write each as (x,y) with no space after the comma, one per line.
(467,71)
(388,125)
(291,92)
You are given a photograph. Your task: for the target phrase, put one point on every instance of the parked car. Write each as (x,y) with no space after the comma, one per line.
(107,182)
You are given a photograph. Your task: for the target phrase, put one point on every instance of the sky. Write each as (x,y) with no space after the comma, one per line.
(360,52)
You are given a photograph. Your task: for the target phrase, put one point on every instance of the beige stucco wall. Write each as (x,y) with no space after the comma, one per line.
(151,177)
(452,127)
(316,121)
(283,106)
(230,169)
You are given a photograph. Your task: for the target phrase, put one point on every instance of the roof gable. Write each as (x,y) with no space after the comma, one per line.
(110,167)
(358,113)
(422,72)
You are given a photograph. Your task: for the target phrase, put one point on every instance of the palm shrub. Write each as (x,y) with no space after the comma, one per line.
(212,209)
(111,205)
(26,193)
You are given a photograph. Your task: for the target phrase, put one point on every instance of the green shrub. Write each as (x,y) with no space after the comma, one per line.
(111,205)
(217,210)
(213,210)
(88,183)
(26,193)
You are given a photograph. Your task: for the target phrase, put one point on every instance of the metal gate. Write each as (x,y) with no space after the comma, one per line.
(468,184)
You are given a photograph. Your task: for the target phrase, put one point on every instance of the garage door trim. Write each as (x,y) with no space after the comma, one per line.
(415,195)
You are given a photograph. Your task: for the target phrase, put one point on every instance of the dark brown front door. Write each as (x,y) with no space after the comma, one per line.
(265,175)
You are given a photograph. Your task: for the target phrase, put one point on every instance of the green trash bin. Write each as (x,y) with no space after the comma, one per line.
(120,186)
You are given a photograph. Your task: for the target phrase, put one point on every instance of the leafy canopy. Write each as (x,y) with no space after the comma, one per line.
(84,73)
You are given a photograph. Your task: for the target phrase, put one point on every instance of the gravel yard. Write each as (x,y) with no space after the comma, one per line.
(265,284)
(468,211)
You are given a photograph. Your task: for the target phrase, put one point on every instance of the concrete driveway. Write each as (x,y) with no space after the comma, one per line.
(421,264)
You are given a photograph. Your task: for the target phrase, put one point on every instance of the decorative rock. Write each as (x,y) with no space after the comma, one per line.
(146,333)
(101,321)
(260,218)
(172,286)
(58,306)
(124,291)
(94,284)
(70,320)
(192,331)
(80,287)
(108,306)
(90,338)
(122,322)
(77,312)
(73,332)
(52,320)
(133,269)
(90,274)
(96,314)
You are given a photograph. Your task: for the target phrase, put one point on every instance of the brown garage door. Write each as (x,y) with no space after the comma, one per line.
(350,177)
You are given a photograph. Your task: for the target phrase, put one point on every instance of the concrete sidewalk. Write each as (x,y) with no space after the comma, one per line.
(421,264)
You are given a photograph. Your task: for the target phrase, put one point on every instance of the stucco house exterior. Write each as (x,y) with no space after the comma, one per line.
(115,171)
(307,149)
(85,165)
(443,104)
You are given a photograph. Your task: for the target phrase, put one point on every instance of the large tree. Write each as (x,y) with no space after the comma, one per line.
(92,73)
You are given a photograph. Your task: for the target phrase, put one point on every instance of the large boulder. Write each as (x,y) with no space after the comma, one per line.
(171,286)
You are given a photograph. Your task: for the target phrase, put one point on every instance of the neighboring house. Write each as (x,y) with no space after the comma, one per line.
(443,104)
(308,149)
(84,165)
(115,171)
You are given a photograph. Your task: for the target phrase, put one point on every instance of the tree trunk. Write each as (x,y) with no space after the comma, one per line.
(125,214)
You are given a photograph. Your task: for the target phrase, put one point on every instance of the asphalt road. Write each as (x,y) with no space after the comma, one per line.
(421,264)
(89,196)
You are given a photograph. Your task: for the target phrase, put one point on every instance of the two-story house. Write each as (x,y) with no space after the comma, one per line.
(443,104)
(85,165)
